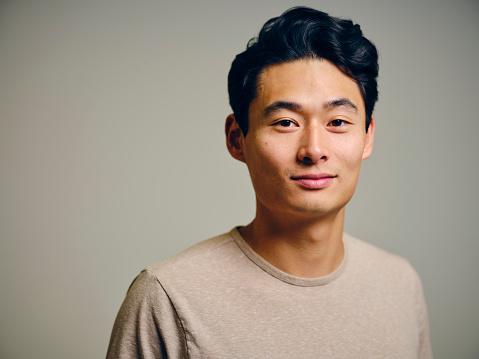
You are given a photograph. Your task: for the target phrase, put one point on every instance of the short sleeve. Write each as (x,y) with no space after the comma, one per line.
(147,325)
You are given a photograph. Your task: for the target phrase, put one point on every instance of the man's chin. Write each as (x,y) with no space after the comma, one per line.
(315,210)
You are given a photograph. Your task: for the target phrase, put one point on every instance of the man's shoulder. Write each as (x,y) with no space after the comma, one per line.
(371,250)
(377,261)
(201,256)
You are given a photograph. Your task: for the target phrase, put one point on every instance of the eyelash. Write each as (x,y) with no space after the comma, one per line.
(284,123)
(288,123)
(338,120)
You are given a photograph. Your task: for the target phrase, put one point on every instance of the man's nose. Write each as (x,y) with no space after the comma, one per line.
(313,146)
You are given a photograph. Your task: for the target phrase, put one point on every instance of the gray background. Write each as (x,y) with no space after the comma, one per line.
(112,155)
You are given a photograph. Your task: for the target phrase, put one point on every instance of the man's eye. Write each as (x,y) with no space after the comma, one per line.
(337,123)
(285,123)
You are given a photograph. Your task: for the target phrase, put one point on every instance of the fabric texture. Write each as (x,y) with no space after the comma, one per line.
(219,299)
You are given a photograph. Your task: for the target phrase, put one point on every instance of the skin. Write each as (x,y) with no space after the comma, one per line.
(307,120)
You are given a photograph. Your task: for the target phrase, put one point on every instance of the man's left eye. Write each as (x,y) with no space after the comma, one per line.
(337,123)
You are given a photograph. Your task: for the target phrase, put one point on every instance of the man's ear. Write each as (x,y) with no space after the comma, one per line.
(234,138)
(369,141)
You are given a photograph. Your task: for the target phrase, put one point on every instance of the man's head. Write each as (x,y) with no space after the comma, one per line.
(302,96)
(303,33)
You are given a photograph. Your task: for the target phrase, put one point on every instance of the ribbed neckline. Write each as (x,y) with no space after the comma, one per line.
(283,276)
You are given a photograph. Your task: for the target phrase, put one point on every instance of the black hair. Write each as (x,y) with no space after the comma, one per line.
(301,33)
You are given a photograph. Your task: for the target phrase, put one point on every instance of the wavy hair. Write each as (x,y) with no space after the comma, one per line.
(301,33)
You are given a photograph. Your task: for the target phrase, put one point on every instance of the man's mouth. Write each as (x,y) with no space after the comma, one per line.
(314,181)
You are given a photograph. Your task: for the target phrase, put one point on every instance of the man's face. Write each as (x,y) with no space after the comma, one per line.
(306,138)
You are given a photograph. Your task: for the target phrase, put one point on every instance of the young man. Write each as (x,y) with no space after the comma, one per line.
(290,284)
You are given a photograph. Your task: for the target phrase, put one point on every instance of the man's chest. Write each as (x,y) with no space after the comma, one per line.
(255,322)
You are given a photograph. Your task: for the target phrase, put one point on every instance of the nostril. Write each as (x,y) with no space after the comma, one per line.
(307,159)
(311,160)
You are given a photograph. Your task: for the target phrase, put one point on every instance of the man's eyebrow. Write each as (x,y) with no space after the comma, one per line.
(279,105)
(344,102)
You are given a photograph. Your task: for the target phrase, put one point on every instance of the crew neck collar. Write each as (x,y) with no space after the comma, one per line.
(283,276)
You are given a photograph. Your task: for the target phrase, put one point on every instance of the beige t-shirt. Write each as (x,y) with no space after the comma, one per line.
(219,299)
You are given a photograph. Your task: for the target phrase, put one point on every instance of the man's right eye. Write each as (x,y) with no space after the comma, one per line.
(285,123)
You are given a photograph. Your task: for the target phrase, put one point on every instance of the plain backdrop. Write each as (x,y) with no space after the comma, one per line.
(112,155)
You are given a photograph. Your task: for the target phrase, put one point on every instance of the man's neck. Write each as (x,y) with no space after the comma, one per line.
(302,247)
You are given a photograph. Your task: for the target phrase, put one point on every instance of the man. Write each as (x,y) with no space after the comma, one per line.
(290,284)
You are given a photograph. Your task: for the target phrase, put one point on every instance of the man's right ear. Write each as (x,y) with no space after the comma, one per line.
(234,138)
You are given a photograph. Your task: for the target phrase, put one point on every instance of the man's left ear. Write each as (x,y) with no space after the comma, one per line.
(369,141)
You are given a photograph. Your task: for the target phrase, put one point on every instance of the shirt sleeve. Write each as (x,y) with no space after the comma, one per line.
(425,349)
(147,325)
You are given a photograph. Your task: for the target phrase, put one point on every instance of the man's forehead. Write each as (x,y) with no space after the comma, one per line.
(302,80)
